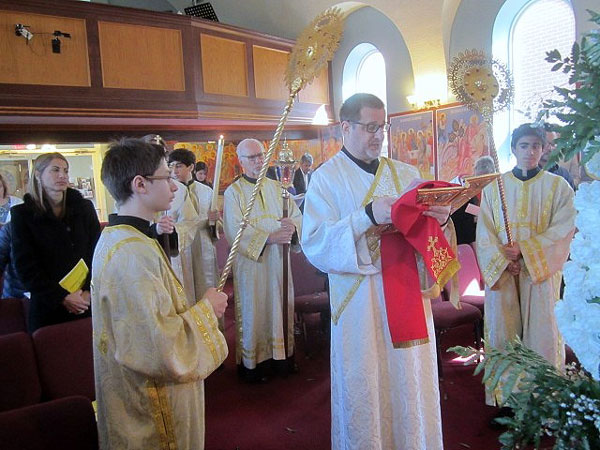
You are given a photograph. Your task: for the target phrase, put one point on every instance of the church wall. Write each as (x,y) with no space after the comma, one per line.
(130,63)
(474,22)
(384,35)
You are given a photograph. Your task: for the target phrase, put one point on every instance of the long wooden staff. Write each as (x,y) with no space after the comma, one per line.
(314,48)
(286,269)
(500,180)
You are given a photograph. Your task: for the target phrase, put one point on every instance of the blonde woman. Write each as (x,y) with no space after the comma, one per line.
(6,201)
(52,230)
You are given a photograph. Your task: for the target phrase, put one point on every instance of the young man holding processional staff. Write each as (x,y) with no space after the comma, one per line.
(523,280)
(198,234)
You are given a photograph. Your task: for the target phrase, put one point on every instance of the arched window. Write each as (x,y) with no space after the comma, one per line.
(524,31)
(364,71)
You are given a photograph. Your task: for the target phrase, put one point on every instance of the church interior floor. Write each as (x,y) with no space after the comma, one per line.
(294,412)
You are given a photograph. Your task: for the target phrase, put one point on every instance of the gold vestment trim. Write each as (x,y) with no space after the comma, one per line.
(376,250)
(205,335)
(413,343)
(491,271)
(214,327)
(161,415)
(448,272)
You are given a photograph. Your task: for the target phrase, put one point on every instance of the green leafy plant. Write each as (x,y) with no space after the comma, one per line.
(579,108)
(545,402)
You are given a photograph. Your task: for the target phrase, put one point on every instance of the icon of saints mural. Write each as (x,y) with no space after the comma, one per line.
(411,141)
(461,140)
(207,152)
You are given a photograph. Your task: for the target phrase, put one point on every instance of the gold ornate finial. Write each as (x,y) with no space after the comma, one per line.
(313,50)
(314,47)
(485,85)
(480,82)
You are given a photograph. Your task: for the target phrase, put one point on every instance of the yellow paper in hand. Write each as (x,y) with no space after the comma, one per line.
(75,279)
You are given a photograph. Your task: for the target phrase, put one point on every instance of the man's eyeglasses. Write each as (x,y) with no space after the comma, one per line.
(254,157)
(373,127)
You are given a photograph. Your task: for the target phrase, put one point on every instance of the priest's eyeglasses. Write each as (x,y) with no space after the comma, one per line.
(254,157)
(373,127)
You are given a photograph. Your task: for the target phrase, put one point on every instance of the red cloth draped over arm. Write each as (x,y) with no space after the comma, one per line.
(401,284)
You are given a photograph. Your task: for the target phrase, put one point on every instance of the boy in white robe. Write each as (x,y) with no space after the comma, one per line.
(151,352)
(197,248)
(523,280)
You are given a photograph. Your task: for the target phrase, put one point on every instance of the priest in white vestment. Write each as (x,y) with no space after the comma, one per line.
(381,397)
(258,266)
(198,252)
(151,351)
(523,281)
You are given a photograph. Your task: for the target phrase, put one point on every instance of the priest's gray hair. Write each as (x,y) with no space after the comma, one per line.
(306,158)
(484,165)
(245,143)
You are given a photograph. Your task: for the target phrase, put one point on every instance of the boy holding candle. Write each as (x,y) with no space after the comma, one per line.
(197,243)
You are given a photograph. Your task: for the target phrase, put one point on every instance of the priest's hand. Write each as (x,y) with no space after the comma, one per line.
(439,213)
(76,302)
(512,252)
(165,225)
(514,268)
(284,234)
(382,209)
(218,301)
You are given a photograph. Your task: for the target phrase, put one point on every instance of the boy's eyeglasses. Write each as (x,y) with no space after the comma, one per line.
(157,177)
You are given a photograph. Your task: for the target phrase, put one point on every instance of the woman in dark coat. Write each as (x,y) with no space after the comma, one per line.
(52,230)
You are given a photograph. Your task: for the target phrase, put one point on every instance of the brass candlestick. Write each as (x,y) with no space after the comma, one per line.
(287,167)
(314,48)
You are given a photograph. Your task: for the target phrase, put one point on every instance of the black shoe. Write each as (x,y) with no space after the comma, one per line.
(251,376)
(504,412)
(285,367)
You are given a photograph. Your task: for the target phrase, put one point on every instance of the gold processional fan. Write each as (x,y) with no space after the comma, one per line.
(314,47)
(485,85)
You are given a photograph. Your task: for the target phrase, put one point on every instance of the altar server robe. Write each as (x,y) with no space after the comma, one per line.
(541,216)
(203,251)
(151,351)
(196,264)
(185,218)
(381,397)
(258,272)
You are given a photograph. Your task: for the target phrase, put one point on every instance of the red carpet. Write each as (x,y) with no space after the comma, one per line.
(294,413)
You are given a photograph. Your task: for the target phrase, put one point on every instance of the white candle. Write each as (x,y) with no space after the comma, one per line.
(219,160)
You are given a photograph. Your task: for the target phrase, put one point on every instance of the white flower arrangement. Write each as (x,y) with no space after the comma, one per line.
(578,313)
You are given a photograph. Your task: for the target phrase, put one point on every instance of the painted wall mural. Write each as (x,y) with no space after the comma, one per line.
(411,141)
(231,169)
(443,142)
(461,139)
(331,142)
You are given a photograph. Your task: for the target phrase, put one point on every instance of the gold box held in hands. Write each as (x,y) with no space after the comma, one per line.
(456,196)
